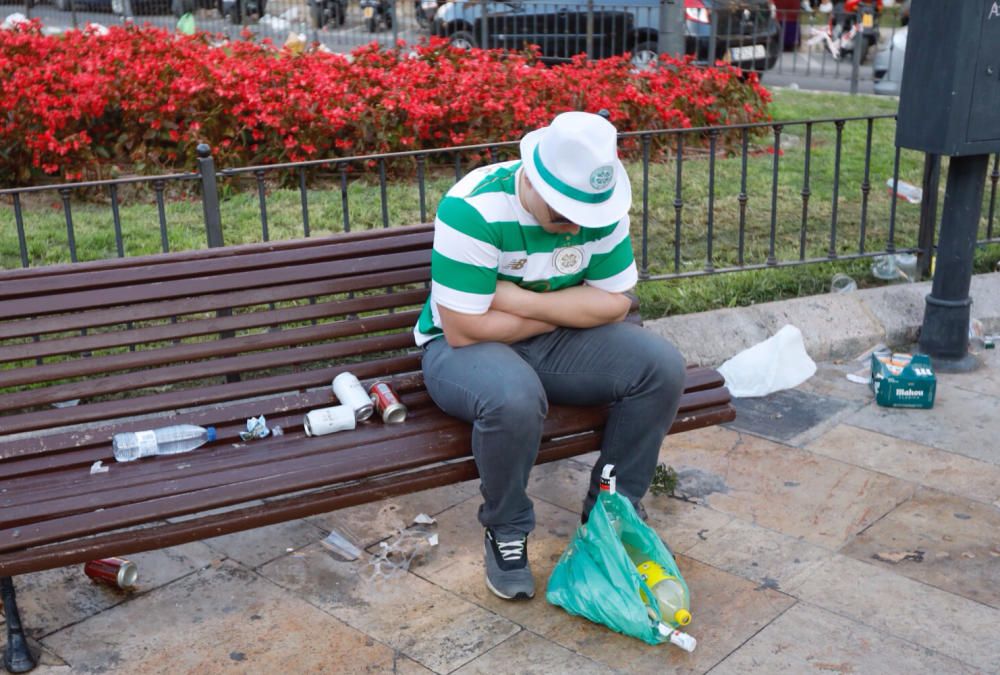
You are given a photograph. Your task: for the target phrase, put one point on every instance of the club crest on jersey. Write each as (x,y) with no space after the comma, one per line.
(568,260)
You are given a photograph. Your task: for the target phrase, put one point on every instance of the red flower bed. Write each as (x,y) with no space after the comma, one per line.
(82,105)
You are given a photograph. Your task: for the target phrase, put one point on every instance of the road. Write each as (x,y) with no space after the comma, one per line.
(339,39)
(807,68)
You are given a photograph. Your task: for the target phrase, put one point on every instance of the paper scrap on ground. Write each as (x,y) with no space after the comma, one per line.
(779,362)
(98,467)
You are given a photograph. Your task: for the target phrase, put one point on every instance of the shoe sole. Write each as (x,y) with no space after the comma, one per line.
(517,596)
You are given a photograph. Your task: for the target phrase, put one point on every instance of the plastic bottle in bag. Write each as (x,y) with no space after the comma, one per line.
(668,592)
(164,441)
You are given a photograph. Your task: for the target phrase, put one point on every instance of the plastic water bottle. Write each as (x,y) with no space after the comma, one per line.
(165,441)
(668,591)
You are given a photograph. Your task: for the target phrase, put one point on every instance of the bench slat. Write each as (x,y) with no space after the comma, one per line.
(183,288)
(208,326)
(162,309)
(234,252)
(194,351)
(171,401)
(199,269)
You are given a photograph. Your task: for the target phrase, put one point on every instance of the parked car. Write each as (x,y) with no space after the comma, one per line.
(747,32)
(146,7)
(324,12)
(887,67)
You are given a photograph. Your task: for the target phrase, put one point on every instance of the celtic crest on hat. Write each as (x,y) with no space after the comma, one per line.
(602,176)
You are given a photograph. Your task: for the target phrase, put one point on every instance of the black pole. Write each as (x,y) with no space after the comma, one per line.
(928,214)
(210,196)
(945,333)
(17,657)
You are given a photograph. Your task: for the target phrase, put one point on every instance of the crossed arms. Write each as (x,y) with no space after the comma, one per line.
(517,313)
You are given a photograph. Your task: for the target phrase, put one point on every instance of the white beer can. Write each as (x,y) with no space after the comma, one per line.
(328,420)
(349,391)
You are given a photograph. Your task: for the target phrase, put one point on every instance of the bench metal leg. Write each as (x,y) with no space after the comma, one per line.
(17,657)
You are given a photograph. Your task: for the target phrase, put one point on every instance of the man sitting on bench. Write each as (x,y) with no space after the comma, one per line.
(531,262)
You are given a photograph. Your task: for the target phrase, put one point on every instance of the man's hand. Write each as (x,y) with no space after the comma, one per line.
(574,307)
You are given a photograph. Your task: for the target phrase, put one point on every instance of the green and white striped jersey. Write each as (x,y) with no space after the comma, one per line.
(483,234)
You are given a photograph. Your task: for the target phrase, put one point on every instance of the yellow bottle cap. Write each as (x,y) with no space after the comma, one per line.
(682,617)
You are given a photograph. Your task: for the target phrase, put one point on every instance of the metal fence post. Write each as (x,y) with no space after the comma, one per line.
(928,214)
(670,28)
(590,30)
(859,39)
(394,17)
(210,196)
(483,29)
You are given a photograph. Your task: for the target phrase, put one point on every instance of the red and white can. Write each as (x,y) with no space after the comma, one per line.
(116,572)
(387,403)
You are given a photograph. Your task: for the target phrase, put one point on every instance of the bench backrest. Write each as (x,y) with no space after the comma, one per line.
(163,333)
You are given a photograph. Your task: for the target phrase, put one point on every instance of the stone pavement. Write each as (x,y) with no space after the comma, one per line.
(836,536)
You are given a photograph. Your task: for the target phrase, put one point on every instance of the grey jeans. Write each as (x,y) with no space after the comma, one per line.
(504,392)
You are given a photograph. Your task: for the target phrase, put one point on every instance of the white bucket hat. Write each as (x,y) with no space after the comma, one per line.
(573,165)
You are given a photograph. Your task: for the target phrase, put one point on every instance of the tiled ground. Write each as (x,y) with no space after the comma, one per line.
(820,533)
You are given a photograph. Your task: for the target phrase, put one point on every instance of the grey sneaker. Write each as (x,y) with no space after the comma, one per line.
(508,573)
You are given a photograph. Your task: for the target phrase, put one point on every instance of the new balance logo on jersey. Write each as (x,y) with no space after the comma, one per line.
(516,264)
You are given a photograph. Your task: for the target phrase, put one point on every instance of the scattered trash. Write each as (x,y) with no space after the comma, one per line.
(117,572)
(274,23)
(610,569)
(906,191)
(164,441)
(98,467)
(341,545)
(186,24)
(277,431)
(896,557)
(841,283)
(329,420)
(860,377)
(903,380)
(407,547)
(387,403)
(976,330)
(295,43)
(66,404)
(256,428)
(779,362)
(350,392)
(894,267)
(13,20)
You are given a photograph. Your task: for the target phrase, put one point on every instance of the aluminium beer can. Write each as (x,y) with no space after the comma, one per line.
(387,403)
(329,420)
(116,572)
(350,392)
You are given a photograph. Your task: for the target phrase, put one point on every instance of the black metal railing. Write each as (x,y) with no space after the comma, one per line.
(706,200)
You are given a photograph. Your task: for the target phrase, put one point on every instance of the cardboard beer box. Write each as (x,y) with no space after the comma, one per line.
(903,380)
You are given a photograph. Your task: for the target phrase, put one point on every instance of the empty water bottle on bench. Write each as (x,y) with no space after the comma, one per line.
(164,441)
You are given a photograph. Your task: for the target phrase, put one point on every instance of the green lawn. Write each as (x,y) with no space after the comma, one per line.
(94,233)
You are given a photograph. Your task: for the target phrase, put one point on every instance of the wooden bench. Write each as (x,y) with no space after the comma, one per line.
(214,337)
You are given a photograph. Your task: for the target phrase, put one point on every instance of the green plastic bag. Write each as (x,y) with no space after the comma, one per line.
(186,24)
(595,578)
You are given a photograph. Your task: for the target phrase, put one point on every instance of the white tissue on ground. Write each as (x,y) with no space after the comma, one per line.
(779,362)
